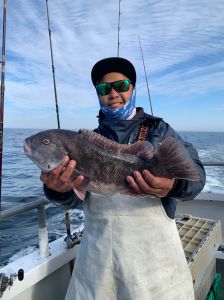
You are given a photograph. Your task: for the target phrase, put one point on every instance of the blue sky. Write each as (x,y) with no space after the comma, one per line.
(183,46)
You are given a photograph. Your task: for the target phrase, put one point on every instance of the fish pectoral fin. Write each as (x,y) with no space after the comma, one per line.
(81,193)
(81,190)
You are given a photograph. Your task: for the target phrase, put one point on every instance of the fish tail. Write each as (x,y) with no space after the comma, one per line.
(175,161)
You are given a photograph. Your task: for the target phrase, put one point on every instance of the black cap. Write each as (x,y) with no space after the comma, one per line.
(113,64)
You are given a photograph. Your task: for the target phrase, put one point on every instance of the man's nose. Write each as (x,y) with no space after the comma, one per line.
(113,94)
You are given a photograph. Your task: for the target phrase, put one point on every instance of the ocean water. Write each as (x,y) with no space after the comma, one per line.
(21,184)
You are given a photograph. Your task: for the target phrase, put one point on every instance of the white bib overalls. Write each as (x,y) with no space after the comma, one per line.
(130,250)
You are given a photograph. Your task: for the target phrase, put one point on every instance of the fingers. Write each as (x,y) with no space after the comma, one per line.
(67,172)
(43,177)
(66,176)
(140,180)
(55,172)
(153,181)
(60,168)
(59,179)
(146,183)
(134,188)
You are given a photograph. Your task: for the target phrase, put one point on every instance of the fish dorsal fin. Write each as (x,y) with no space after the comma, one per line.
(101,141)
(141,149)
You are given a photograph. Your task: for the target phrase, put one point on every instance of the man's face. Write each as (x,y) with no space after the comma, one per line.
(115,100)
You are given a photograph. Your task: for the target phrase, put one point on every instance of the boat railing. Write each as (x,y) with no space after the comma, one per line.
(43,234)
(213,164)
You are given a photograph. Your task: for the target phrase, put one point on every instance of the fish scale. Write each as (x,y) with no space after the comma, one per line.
(109,168)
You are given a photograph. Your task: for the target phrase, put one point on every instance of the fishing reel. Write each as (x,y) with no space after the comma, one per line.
(74,239)
(6,281)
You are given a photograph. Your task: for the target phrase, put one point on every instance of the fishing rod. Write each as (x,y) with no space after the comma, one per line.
(67,217)
(2,94)
(53,68)
(118,29)
(146,79)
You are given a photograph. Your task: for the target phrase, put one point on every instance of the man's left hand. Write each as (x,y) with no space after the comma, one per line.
(147,184)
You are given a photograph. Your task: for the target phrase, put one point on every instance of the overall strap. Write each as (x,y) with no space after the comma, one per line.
(144,129)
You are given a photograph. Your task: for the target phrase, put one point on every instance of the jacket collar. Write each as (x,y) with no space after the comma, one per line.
(122,130)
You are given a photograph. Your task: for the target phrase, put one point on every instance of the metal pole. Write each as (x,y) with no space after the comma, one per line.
(43,235)
(53,68)
(145,75)
(118,29)
(2,95)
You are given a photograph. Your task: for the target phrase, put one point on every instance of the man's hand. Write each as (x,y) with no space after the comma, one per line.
(147,184)
(59,179)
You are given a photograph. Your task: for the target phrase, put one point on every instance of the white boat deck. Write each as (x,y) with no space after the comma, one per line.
(205,205)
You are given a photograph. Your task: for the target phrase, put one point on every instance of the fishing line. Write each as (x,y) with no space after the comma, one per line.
(118,29)
(146,79)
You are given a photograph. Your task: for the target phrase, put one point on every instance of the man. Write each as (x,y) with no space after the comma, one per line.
(130,248)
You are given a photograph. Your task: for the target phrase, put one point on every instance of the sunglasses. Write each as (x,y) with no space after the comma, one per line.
(120,86)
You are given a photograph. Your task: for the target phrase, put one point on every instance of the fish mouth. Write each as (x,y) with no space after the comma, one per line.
(27,148)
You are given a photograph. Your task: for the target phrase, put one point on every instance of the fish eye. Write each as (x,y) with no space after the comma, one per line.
(46,142)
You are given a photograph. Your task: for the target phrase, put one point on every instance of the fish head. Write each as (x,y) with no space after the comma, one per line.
(45,149)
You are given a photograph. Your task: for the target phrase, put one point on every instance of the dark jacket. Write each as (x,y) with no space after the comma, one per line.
(126,131)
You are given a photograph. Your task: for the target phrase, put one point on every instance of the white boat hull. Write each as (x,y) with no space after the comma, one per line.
(44,279)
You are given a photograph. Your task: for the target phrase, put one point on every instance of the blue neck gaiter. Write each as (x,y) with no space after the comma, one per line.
(122,113)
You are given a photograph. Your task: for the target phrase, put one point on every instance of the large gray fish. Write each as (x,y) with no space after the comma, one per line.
(105,163)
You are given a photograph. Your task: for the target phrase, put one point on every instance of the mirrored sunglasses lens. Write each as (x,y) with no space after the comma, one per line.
(103,89)
(121,86)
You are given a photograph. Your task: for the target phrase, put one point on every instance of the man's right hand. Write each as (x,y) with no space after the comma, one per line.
(59,179)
